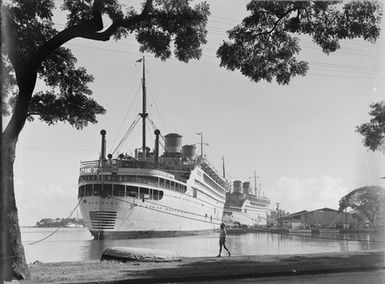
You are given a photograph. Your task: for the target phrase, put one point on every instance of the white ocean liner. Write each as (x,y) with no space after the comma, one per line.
(176,193)
(245,207)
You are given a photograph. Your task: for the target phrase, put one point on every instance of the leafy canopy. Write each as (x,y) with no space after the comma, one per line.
(32,47)
(263,47)
(374,130)
(366,200)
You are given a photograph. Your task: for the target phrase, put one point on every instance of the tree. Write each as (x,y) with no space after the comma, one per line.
(32,49)
(263,47)
(374,131)
(366,200)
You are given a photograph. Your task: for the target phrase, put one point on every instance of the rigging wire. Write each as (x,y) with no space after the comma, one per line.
(125,117)
(126,135)
(58,228)
(152,123)
(154,128)
(155,103)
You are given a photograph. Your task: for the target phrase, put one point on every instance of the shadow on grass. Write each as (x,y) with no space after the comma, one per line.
(208,269)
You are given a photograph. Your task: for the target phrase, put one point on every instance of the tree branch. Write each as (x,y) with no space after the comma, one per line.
(102,36)
(277,22)
(96,10)
(20,113)
(89,31)
(28,70)
(147,7)
(283,16)
(309,17)
(8,36)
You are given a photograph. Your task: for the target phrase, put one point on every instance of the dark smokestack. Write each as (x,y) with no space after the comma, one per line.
(103,152)
(246,187)
(156,151)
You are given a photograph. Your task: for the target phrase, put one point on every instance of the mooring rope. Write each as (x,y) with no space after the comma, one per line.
(58,228)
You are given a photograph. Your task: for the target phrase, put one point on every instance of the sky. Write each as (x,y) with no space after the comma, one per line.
(299,138)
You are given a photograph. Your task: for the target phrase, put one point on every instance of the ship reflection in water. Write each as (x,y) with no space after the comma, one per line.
(76,244)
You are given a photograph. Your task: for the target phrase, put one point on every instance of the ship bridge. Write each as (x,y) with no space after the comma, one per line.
(113,166)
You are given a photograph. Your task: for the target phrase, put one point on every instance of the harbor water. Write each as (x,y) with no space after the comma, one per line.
(77,244)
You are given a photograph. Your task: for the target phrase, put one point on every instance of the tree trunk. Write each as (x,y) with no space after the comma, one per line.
(13,262)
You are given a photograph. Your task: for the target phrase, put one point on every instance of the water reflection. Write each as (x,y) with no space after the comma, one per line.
(78,245)
(184,246)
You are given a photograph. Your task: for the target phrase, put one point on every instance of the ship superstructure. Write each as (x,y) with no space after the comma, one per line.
(245,206)
(151,194)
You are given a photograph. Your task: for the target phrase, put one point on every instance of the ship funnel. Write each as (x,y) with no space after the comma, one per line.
(237,185)
(189,151)
(156,151)
(103,151)
(173,143)
(246,187)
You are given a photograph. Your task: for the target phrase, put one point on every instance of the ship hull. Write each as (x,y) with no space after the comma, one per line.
(257,219)
(101,235)
(247,215)
(198,210)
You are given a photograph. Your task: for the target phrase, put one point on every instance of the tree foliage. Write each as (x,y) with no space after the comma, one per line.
(32,43)
(263,46)
(32,49)
(374,130)
(366,200)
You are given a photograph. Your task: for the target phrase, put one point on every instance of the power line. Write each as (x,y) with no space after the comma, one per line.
(223,31)
(214,64)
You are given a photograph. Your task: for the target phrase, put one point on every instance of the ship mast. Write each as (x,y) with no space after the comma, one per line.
(144,113)
(201,135)
(206,144)
(255,184)
(223,168)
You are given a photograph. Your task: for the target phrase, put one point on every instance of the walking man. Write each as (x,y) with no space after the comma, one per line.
(222,239)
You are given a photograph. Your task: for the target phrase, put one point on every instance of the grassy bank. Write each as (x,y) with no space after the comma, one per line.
(204,268)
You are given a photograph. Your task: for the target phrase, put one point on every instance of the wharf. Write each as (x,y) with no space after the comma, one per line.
(313,231)
(197,269)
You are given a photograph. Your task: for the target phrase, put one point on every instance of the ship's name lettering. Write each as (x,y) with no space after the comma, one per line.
(85,170)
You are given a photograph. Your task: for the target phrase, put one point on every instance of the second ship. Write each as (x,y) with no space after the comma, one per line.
(245,207)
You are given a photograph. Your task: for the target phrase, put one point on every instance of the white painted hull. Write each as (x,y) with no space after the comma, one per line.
(174,214)
(248,215)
